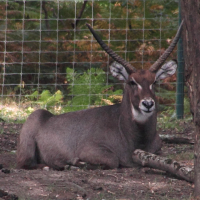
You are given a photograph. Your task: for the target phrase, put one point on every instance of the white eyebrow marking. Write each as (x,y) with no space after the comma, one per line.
(139,86)
(152,84)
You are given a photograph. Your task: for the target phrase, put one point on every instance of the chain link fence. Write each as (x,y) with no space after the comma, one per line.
(49,58)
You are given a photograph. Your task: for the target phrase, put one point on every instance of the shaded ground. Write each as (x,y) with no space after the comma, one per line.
(122,184)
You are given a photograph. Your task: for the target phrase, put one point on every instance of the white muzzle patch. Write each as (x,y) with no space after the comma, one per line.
(147,105)
(141,116)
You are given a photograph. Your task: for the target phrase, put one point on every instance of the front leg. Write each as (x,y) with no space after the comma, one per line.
(154,146)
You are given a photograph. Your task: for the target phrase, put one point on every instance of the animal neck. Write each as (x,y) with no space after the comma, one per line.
(136,133)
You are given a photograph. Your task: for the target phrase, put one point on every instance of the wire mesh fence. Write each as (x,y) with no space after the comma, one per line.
(49,58)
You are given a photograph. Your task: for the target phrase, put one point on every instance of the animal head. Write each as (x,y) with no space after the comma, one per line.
(140,83)
(140,87)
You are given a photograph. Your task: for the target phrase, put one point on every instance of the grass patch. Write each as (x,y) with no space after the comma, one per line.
(167,121)
(182,156)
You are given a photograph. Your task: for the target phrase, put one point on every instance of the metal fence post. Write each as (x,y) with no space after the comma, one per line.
(180,77)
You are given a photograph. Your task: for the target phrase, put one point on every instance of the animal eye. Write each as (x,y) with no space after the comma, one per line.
(155,82)
(152,85)
(133,83)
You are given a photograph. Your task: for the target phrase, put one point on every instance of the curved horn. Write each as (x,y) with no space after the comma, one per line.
(130,69)
(155,67)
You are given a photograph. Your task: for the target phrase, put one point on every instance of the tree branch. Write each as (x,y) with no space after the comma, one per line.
(154,161)
(176,139)
(45,13)
(74,25)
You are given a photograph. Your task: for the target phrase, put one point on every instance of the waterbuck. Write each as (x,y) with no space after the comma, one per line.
(105,135)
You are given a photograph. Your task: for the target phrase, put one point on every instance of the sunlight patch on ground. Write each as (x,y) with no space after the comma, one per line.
(14,112)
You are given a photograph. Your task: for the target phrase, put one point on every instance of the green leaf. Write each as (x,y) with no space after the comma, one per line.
(45,96)
(88,88)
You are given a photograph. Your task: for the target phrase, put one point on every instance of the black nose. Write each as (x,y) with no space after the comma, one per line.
(148,103)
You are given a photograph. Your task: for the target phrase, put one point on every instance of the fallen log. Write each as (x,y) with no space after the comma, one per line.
(157,162)
(176,139)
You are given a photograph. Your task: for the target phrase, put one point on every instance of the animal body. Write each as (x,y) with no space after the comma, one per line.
(105,135)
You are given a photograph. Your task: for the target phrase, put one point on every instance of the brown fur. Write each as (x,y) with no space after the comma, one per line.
(105,136)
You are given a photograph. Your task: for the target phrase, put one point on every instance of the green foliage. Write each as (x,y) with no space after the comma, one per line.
(33,96)
(182,153)
(167,119)
(187,111)
(35,45)
(88,88)
(46,99)
(166,97)
(111,14)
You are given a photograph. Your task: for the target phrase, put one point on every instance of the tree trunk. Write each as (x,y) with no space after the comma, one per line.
(190,11)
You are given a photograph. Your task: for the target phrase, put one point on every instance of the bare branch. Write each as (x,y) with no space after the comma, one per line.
(154,161)
(176,139)
(45,13)
(74,25)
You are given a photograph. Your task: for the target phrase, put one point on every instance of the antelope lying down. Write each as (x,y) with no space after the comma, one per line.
(105,135)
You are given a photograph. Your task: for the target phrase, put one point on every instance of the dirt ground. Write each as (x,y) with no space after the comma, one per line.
(121,184)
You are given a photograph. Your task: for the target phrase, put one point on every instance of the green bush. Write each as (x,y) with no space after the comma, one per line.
(89,89)
(167,119)
(46,99)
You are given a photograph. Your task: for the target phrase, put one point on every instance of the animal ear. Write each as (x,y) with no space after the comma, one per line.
(117,70)
(168,69)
